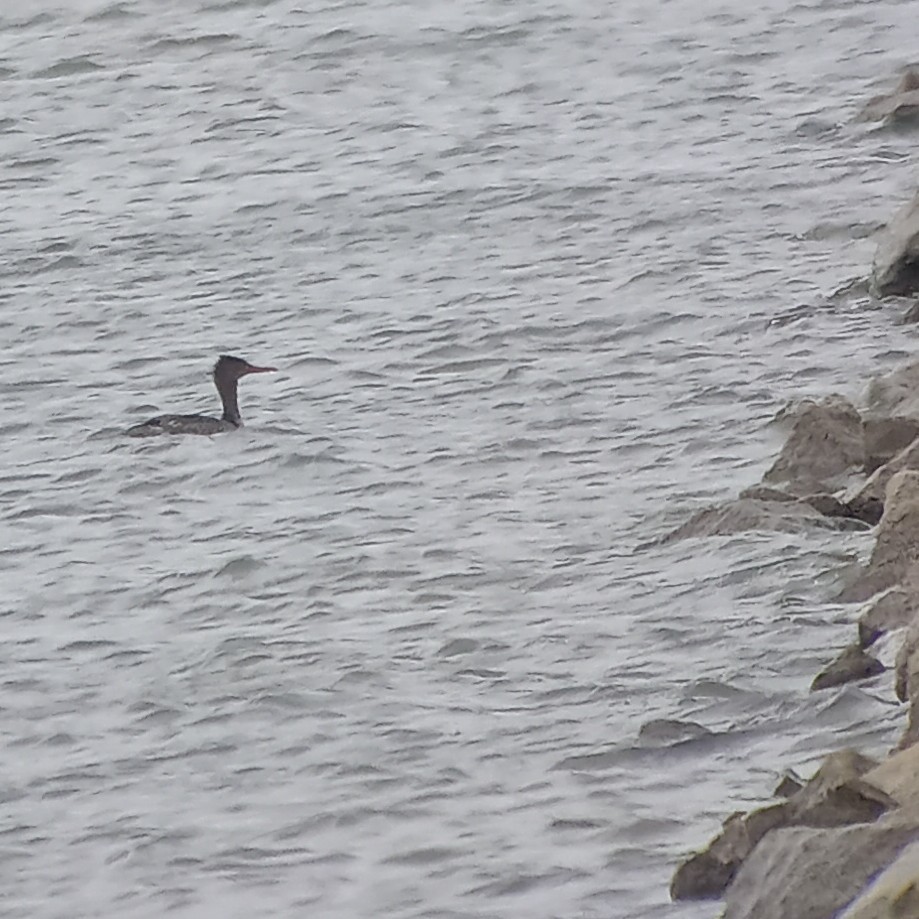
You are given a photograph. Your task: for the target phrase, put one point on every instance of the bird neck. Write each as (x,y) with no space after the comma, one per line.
(227,390)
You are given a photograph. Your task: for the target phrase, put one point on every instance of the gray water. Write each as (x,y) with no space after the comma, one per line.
(536,277)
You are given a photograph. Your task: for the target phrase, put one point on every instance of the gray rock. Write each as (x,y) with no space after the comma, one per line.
(907,682)
(790,785)
(835,796)
(875,486)
(865,510)
(911,316)
(666,732)
(825,445)
(896,394)
(706,875)
(807,873)
(767,493)
(893,610)
(746,514)
(896,550)
(907,650)
(898,776)
(896,262)
(885,438)
(838,796)
(894,894)
(852,664)
(900,106)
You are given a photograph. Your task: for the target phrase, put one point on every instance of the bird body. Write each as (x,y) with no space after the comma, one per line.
(227,373)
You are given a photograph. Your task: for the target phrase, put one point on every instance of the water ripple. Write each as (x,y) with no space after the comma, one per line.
(537,278)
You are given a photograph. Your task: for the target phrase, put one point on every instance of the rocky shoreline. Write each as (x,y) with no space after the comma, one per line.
(846,842)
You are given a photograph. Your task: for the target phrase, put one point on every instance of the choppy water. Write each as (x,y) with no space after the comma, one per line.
(388,650)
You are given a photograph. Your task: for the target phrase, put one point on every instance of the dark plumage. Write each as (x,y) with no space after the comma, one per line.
(227,372)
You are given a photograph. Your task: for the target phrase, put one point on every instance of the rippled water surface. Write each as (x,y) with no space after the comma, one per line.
(536,275)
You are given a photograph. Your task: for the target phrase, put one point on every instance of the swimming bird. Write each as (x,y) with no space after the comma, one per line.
(227,372)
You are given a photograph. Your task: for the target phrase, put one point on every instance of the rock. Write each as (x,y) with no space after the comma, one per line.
(790,785)
(874,488)
(907,666)
(911,734)
(885,438)
(897,546)
(894,894)
(896,394)
(893,610)
(900,106)
(896,262)
(828,505)
(750,514)
(767,493)
(911,316)
(864,510)
(907,682)
(826,443)
(807,873)
(852,664)
(665,732)
(836,795)
(706,875)
(898,776)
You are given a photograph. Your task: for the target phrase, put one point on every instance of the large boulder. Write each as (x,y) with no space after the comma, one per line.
(896,262)
(705,875)
(896,394)
(835,796)
(825,446)
(894,894)
(896,552)
(744,514)
(807,873)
